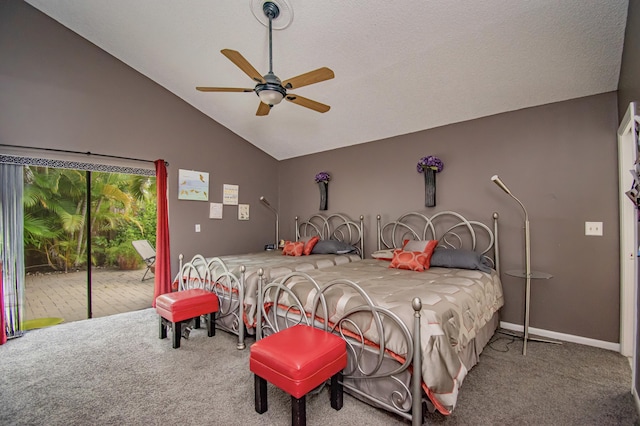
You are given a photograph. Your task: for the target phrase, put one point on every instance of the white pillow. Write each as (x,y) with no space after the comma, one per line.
(416,245)
(383,254)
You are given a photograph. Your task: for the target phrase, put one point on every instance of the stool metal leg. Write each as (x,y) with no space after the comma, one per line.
(163,329)
(336,391)
(211,324)
(260,389)
(298,411)
(176,328)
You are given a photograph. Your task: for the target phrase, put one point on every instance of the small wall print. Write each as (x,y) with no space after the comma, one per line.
(230,194)
(215,211)
(193,185)
(243,211)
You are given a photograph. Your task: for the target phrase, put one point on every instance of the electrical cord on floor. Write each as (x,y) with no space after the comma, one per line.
(499,336)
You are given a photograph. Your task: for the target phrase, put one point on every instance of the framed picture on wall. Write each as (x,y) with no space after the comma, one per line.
(230,194)
(243,211)
(193,185)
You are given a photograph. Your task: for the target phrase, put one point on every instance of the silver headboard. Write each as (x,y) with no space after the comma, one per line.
(333,227)
(452,230)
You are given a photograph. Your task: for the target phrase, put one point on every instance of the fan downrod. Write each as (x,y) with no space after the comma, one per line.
(272,82)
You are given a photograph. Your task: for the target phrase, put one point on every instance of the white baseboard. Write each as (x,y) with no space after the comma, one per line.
(563,337)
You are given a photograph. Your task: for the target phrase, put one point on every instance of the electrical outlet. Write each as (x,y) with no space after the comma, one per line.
(593,228)
(197,227)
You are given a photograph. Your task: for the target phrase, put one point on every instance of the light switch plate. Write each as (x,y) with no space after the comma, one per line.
(593,228)
(197,227)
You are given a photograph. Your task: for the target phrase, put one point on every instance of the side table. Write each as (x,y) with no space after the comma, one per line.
(533,275)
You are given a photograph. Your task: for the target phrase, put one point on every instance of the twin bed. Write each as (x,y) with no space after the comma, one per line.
(235,278)
(411,336)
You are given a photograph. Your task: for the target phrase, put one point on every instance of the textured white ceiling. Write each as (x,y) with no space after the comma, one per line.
(400,66)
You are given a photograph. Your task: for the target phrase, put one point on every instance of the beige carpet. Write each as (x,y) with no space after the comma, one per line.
(115,370)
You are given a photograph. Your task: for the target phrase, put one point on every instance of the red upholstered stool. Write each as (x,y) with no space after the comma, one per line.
(297,360)
(184,305)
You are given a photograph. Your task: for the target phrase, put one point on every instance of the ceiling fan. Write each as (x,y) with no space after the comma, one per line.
(270,89)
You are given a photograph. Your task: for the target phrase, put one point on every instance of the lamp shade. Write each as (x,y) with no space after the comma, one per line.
(495,179)
(270,97)
(265,202)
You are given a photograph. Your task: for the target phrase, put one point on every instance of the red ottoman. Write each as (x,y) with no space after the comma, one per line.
(297,360)
(184,305)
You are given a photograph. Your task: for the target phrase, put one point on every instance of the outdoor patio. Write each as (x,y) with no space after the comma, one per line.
(64,295)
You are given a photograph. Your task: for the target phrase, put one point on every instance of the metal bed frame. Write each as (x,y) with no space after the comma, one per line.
(214,275)
(367,362)
(333,227)
(417,226)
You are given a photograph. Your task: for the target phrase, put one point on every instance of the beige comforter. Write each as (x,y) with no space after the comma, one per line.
(275,265)
(456,303)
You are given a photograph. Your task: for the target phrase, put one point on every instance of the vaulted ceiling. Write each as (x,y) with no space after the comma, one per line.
(400,66)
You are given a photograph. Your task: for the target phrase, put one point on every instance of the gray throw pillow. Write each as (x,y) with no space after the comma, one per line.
(460,258)
(332,247)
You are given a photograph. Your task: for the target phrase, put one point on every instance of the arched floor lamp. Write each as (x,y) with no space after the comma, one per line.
(527,274)
(266,203)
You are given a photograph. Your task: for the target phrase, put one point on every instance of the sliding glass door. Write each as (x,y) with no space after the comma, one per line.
(66,233)
(79,225)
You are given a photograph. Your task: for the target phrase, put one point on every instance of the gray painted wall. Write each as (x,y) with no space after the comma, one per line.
(629,84)
(560,160)
(59,91)
(62,92)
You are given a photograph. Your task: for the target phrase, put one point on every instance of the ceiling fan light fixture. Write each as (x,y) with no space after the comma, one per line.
(270,97)
(271,92)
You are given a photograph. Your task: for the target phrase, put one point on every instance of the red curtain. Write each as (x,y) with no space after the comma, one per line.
(163,257)
(3,328)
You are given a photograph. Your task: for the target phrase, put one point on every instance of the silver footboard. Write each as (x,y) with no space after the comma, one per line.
(213,275)
(373,374)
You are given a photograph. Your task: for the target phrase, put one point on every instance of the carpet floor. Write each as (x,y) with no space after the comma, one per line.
(115,371)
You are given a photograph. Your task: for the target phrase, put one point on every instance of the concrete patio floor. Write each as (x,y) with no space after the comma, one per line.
(64,295)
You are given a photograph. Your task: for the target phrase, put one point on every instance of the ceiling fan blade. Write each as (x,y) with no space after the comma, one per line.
(243,64)
(263,109)
(223,89)
(315,76)
(307,103)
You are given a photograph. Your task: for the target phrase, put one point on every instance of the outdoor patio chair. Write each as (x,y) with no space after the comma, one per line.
(148,254)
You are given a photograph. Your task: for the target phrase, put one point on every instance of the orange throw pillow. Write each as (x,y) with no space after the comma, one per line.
(427,247)
(293,248)
(308,246)
(410,260)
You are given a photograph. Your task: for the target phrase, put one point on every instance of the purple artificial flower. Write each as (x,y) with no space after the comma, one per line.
(323,177)
(431,162)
